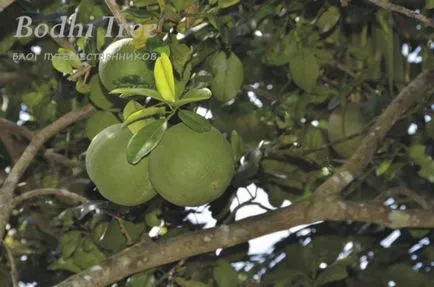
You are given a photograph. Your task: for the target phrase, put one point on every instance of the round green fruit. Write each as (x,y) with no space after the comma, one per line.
(107,166)
(344,123)
(121,65)
(188,168)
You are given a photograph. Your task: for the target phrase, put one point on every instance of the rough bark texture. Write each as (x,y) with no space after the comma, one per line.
(145,255)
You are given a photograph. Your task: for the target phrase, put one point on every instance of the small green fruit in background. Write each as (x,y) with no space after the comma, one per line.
(343,123)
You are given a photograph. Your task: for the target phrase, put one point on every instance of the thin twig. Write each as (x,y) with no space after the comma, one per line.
(231,216)
(84,70)
(11,128)
(76,198)
(13,266)
(117,13)
(124,230)
(386,4)
(408,193)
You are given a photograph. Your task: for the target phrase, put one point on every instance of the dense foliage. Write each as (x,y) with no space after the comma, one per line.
(276,70)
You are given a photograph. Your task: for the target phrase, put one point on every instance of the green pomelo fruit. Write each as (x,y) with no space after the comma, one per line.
(121,65)
(188,168)
(116,179)
(344,123)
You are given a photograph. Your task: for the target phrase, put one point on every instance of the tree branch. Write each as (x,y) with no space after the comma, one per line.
(13,266)
(37,142)
(5,3)
(410,95)
(9,127)
(143,256)
(386,4)
(62,193)
(8,77)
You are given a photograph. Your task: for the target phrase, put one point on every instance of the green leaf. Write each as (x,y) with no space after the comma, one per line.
(225,275)
(383,167)
(429,4)
(33,99)
(87,254)
(195,95)
(143,279)
(128,92)
(69,243)
(227,3)
(194,121)
(143,114)
(304,69)
(65,61)
(335,272)
(237,144)
(181,55)
(100,38)
(62,264)
(164,79)
(163,50)
(189,283)
(328,19)
(82,87)
(145,140)
(130,109)
(6,43)
(228,75)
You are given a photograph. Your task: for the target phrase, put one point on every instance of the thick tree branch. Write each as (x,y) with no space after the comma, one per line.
(143,255)
(324,205)
(386,4)
(62,193)
(410,95)
(38,140)
(11,77)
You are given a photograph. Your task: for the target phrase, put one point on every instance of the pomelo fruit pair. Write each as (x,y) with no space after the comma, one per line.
(187,168)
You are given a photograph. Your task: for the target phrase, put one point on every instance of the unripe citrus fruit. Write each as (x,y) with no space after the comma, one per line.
(122,65)
(188,168)
(116,179)
(343,123)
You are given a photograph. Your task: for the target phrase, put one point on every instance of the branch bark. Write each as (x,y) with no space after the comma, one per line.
(143,255)
(37,142)
(5,3)
(62,193)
